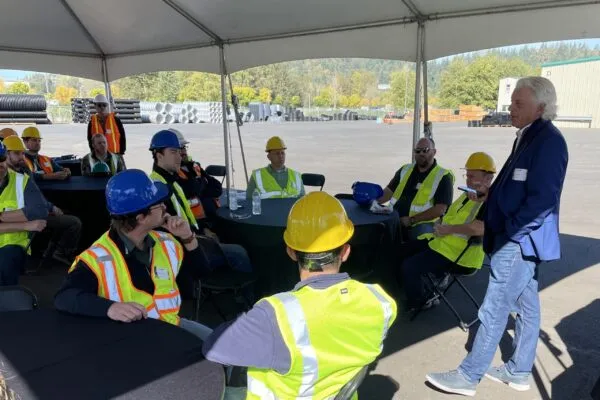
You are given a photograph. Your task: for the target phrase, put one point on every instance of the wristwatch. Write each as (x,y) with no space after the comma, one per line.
(188,240)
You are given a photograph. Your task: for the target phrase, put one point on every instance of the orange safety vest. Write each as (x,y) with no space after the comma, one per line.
(195,203)
(44,162)
(110,131)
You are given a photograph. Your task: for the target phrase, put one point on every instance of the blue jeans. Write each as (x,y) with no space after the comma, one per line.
(513,287)
(12,263)
(236,256)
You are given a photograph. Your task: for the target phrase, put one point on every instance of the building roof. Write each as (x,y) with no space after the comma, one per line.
(566,62)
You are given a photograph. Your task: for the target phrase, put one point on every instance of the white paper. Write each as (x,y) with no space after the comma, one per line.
(520,174)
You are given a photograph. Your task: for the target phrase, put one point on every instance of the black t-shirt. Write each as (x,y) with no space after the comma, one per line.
(480,213)
(443,194)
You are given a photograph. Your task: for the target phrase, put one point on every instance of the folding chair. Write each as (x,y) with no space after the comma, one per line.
(455,275)
(217,170)
(17,298)
(313,180)
(351,387)
(221,280)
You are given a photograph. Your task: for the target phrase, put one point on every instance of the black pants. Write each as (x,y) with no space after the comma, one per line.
(421,263)
(11,264)
(66,231)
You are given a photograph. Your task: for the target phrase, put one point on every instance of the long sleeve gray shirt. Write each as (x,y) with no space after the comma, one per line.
(254,339)
(36,205)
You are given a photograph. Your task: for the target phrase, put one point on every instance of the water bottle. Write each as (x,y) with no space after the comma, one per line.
(233,205)
(256,203)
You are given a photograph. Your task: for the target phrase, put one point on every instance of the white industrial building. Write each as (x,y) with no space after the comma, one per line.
(577,84)
(505,89)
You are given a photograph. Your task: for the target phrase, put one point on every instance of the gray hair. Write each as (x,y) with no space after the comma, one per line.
(544,93)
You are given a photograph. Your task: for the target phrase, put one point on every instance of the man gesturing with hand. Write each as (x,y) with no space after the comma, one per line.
(130,272)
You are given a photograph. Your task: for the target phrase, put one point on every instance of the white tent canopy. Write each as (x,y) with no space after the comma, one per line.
(75,37)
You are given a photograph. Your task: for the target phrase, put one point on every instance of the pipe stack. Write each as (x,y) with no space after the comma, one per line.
(127,110)
(23,108)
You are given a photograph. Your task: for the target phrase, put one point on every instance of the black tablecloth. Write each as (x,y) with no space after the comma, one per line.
(48,355)
(83,197)
(262,236)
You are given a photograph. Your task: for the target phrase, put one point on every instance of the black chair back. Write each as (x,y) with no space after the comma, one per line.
(316,180)
(217,170)
(17,298)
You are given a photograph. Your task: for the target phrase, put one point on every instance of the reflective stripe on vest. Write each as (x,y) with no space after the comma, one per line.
(321,362)
(12,198)
(114,164)
(462,211)
(110,131)
(182,210)
(270,189)
(424,199)
(114,280)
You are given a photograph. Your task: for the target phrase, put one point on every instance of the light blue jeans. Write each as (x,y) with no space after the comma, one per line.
(513,287)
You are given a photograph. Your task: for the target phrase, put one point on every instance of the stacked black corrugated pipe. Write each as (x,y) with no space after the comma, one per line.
(23,108)
(127,110)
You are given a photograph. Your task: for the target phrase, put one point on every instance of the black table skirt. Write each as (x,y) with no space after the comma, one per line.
(48,355)
(262,236)
(83,197)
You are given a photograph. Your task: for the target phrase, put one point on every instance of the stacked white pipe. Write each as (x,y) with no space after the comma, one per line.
(194,112)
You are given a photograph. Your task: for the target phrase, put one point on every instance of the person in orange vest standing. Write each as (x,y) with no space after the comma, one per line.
(109,125)
(42,167)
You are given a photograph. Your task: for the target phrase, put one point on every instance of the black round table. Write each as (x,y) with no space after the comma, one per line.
(48,355)
(262,236)
(83,197)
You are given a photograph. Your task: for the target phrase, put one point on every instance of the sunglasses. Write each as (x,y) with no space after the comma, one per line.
(420,150)
(101,105)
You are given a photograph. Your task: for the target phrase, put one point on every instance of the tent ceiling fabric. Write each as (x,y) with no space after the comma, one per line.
(73,36)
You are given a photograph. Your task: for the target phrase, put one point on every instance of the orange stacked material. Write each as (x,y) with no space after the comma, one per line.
(470,112)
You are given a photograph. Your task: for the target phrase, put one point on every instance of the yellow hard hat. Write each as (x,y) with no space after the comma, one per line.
(14,143)
(275,143)
(6,132)
(31,132)
(316,223)
(481,161)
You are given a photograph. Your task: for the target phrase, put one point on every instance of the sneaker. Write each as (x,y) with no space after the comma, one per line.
(500,374)
(452,382)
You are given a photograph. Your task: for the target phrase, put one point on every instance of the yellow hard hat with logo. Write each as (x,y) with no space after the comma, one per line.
(14,143)
(6,132)
(481,161)
(31,132)
(317,223)
(275,143)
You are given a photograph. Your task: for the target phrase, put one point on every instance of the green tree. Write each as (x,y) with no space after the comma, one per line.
(18,88)
(295,101)
(245,94)
(402,89)
(264,95)
(325,97)
(64,94)
(1,86)
(200,86)
(96,91)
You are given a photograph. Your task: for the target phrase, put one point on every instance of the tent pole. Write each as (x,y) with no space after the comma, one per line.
(427,125)
(234,103)
(107,85)
(417,113)
(225,127)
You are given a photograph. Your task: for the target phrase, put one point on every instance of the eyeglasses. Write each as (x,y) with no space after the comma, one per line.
(420,150)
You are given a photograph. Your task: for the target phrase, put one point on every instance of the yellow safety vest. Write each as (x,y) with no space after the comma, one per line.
(105,260)
(424,199)
(11,199)
(451,246)
(114,162)
(183,210)
(330,333)
(269,188)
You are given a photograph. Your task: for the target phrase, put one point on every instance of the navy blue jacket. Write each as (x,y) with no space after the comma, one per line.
(524,201)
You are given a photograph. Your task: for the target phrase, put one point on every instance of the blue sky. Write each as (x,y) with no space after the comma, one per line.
(12,75)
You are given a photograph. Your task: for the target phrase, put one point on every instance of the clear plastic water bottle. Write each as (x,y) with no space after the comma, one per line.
(256,203)
(232,195)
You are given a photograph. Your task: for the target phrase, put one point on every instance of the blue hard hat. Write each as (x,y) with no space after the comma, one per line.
(132,191)
(364,192)
(164,139)
(2,149)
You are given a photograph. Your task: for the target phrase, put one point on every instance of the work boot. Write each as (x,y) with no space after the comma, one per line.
(500,374)
(452,382)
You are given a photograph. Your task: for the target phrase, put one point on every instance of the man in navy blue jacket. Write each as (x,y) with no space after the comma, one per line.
(521,231)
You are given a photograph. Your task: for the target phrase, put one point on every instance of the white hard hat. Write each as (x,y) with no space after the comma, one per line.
(182,141)
(100,99)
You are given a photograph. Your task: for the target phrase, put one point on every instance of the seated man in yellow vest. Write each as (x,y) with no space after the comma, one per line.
(462,222)
(275,181)
(130,272)
(311,341)
(100,160)
(22,210)
(109,125)
(66,229)
(42,167)
(166,153)
(420,192)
